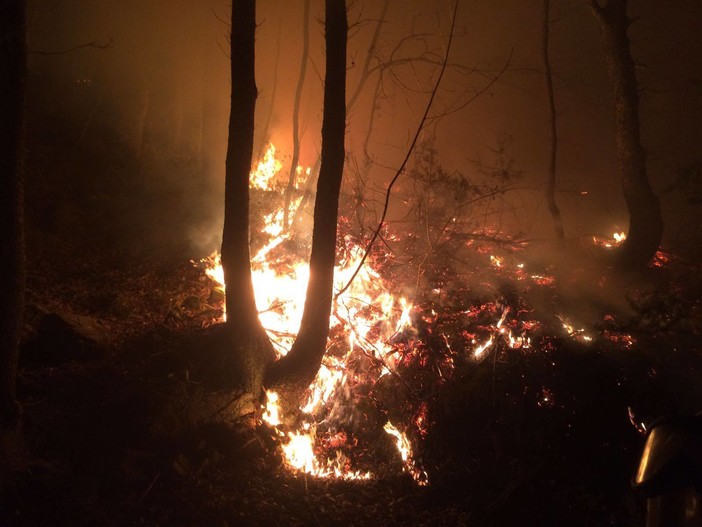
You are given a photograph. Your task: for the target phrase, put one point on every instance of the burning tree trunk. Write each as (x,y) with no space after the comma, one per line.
(553,130)
(645,220)
(244,327)
(12,80)
(303,360)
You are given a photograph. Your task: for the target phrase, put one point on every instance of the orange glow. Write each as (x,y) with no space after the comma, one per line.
(367,313)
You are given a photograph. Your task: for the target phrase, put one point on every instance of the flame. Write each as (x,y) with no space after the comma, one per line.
(367,313)
(405,450)
(619,237)
(272,413)
(266,170)
(578,334)
(616,240)
(367,321)
(480,350)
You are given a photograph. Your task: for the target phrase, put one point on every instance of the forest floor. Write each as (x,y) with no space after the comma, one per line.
(109,442)
(115,380)
(111,439)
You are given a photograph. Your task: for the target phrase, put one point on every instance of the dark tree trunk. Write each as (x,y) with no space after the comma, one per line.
(303,360)
(12,81)
(552,128)
(645,220)
(296,112)
(244,329)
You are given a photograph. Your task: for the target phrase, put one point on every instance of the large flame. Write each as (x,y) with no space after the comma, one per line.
(367,314)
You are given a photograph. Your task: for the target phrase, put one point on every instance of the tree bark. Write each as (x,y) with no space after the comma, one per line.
(645,219)
(552,128)
(242,315)
(300,365)
(12,90)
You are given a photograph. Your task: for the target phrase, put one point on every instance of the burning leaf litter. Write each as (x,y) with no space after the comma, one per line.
(375,333)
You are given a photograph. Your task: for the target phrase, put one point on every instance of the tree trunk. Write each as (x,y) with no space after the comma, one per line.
(264,138)
(243,326)
(142,116)
(296,112)
(303,360)
(645,220)
(12,83)
(552,128)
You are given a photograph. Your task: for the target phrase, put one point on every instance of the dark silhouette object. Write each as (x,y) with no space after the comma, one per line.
(552,128)
(670,472)
(296,112)
(300,365)
(244,331)
(12,89)
(645,220)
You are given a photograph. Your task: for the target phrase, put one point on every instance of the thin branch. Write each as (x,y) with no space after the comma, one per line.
(74,48)
(365,71)
(400,170)
(482,90)
(296,112)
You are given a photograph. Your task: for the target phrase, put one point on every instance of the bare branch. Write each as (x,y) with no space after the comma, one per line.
(74,48)
(481,91)
(401,169)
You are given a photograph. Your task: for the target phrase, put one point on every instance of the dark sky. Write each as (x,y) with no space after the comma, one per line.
(168,61)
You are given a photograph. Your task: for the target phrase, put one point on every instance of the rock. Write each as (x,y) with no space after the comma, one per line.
(62,337)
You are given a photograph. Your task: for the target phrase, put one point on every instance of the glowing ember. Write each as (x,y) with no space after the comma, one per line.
(478,352)
(661,259)
(578,334)
(372,335)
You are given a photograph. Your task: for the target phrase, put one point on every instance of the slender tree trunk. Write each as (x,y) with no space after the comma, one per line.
(365,71)
(263,138)
(303,360)
(362,80)
(12,83)
(242,315)
(553,131)
(296,112)
(645,220)
(141,126)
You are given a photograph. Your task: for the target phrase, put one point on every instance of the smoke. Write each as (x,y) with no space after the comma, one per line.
(143,123)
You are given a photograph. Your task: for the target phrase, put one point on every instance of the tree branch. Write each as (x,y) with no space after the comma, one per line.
(74,48)
(401,169)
